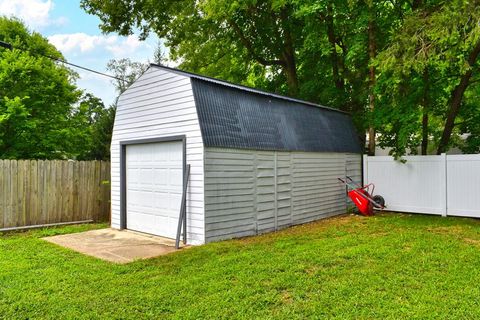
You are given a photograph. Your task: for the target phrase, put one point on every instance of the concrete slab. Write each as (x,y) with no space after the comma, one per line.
(114,245)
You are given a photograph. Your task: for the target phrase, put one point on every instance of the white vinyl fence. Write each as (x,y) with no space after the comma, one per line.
(443,185)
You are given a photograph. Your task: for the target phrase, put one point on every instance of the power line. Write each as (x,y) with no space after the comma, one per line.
(10,47)
(6,45)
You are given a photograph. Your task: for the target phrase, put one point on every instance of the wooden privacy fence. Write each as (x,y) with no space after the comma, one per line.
(37,192)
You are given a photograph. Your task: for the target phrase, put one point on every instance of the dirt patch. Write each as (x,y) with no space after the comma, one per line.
(475,242)
(312,270)
(451,230)
(458,232)
(379,234)
(286,297)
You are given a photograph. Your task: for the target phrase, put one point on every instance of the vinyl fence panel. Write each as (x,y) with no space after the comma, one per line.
(443,184)
(415,186)
(463,185)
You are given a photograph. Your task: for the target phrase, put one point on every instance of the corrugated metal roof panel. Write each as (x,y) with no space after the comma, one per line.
(244,88)
(232,117)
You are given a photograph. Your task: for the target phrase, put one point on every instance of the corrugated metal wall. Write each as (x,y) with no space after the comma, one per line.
(354,167)
(230,189)
(354,171)
(250,192)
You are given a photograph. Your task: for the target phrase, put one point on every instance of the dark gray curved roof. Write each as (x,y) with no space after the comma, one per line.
(233,116)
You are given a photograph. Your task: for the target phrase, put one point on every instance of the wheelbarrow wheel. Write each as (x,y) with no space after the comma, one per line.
(379,201)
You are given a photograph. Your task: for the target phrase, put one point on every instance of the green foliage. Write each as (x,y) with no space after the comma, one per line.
(469,122)
(206,38)
(126,71)
(391,266)
(42,112)
(92,125)
(420,69)
(36,95)
(282,46)
(102,134)
(95,122)
(393,64)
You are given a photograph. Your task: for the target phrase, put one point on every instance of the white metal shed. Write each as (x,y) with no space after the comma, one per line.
(258,161)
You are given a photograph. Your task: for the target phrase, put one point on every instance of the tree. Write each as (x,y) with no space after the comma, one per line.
(387,62)
(274,45)
(93,124)
(97,120)
(102,134)
(42,113)
(126,71)
(222,32)
(426,72)
(36,96)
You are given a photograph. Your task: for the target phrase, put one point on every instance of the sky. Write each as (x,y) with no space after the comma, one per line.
(77,35)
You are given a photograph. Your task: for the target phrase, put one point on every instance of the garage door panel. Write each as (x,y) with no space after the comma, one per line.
(141,220)
(138,198)
(154,187)
(175,178)
(175,199)
(140,209)
(145,177)
(133,176)
(160,174)
(164,200)
(176,156)
(160,155)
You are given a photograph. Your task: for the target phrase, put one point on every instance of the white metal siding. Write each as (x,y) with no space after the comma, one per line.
(249,192)
(354,167)
(265,186)
(161,104)
(230,188)
(354,171)
(283,190)
(317,193)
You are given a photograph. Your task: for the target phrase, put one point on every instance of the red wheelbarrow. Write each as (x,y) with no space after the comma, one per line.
(363,197)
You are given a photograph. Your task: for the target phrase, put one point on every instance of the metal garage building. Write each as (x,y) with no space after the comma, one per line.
(258,161)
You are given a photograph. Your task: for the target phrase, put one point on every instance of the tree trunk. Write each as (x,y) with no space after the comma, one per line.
(425,109)
(288,55)
(332,39)
(371,95)
(416,4)
(425,131)
(290,70)
(456,100)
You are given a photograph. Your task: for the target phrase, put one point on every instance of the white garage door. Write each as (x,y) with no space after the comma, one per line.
(154,187)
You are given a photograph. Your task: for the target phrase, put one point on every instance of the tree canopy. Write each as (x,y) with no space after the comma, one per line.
(405,69)
(36,96)
(42,112)
(429,71)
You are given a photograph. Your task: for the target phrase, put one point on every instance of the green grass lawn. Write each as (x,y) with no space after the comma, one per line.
(388,266)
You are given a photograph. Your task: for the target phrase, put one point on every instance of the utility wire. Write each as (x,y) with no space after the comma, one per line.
(10,47)
(6,45)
